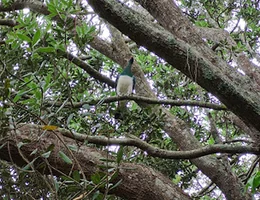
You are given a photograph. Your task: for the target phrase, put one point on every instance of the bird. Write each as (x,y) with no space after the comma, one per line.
(125,84)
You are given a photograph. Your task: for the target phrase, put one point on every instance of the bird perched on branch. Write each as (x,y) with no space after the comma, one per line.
(125,84)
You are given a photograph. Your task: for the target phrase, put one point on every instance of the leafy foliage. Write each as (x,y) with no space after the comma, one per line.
(40,85)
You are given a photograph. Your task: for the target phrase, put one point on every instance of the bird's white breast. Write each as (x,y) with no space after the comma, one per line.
(124,85)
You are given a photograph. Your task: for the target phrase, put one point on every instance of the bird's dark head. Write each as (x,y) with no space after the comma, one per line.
(131,61)
(127,69)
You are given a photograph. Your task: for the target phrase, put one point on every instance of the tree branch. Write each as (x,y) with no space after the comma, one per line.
(149,149)
(34,5)
(146,183)
(251,169)
(138,99)
(185,58)
(39,7)
(8,22)
(156,152)
(201,65)
(89,69)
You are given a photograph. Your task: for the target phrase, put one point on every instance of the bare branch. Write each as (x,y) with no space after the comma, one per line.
(91,71)
(214,131)
(156,152)
(8,22)
(139,99)
(251,170)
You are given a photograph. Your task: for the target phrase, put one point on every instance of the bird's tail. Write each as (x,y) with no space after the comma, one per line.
(121,110)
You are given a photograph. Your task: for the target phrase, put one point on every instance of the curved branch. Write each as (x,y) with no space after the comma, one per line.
(146,183)
(156,152)
(139,99)
(185,58)
(90,70)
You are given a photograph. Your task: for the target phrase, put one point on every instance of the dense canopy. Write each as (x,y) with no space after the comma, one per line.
(191,129)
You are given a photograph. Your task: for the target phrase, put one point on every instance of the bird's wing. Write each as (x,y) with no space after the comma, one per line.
(133,82)
(117,80)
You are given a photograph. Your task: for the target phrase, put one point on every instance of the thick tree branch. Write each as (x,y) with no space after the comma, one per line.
(138,99)
(34,5)
(131,140)
(8,22)
(138,181)
(208,164)
(208,73)
(185,58)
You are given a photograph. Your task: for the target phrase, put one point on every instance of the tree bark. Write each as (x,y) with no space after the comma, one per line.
(203,67)
(188,60)
(208,71)
(139,182)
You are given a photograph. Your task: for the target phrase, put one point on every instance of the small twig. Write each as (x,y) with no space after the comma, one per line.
(205,190)
(251,170)
(213,130)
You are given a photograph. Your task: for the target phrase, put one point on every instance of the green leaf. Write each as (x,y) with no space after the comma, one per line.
(95,178)
(69,3)
(2,145)
(97,195)
(79,31)
(177,179)
(16,98)
(20,144)
(253,182)
(47,154)
(52,10)
(38,94)
(23,37)
(86,106)
(29,165)
(76,175)
(117,184)
(36,37)
(73,147)
(56,185)
(211,141)
(51,147)
(120,154)
(70,118)
(65,158)
(45,49)
(256,182)
(34,152)
(47,82)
